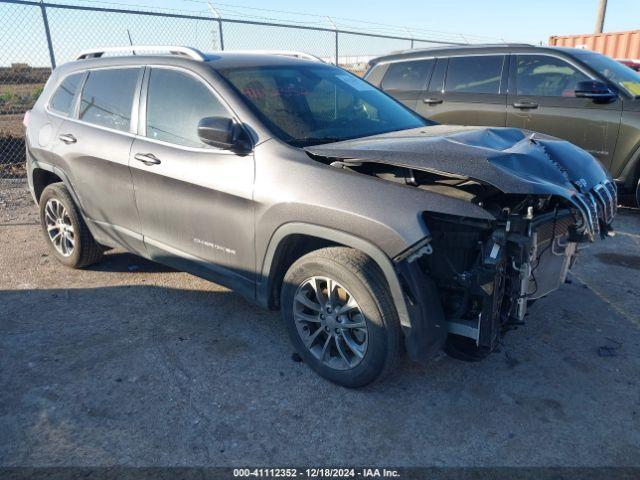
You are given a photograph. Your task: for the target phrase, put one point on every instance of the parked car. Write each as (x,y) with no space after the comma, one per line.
(581,96)
(632,64)
(304,188)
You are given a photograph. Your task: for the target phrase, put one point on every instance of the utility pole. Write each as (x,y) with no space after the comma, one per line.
(602,9)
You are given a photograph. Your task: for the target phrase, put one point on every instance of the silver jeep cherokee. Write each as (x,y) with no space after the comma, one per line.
(304,188)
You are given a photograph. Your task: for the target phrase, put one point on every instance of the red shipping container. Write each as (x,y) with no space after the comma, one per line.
(619,45)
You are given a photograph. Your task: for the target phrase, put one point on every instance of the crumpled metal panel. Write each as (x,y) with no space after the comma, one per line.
(512,160)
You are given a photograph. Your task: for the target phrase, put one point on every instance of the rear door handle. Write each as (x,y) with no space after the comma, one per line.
(147,158)
(432,101)
(67,138)
(525,105)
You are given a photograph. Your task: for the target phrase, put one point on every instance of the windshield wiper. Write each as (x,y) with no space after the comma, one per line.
(308,141)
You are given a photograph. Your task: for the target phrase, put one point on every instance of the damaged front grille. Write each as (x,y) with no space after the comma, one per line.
(598,208)
(607,197)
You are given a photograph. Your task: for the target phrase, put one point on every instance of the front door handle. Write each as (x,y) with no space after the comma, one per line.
(147,158)
(525,105)
(432,101)
(67,138)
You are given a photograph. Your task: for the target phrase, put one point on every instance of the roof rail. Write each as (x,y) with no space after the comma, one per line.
(284,53)
(173,50)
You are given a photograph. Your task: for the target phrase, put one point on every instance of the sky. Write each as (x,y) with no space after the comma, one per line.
(514,20)
(22,37)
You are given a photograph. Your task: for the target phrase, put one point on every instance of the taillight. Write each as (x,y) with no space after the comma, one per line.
(25,120)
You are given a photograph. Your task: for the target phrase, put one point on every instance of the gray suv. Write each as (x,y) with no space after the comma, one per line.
(304,188)
(577,95)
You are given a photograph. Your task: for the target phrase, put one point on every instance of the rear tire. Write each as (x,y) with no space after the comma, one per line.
(340,316)
(64,229)
(638,194)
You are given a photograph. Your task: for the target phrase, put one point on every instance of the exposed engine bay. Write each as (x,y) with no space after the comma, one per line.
(487,272)
(542,198)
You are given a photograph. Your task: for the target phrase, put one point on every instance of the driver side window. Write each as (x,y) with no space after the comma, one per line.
(545,76)
(176,102)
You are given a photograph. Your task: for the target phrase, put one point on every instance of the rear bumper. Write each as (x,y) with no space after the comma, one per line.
(30,166)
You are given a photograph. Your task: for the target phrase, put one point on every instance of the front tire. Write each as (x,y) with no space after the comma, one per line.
(340,316)
(64,229)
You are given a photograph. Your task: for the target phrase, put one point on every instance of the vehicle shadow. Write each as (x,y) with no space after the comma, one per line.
(125,262)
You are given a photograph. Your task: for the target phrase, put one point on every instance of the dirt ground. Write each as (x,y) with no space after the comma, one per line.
(134,364)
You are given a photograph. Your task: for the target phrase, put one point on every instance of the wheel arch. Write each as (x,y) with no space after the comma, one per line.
(41,179)
(631,171)
(293,240)
(44,174)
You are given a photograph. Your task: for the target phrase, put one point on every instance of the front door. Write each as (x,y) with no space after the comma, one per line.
(542,98)
(194,201)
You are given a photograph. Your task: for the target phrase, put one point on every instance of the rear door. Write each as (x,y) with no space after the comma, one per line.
(467,90)
(61,105)
(194,200)
(406,80)
(92,146)
(542,98)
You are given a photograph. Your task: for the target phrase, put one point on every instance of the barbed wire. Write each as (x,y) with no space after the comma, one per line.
(232,11)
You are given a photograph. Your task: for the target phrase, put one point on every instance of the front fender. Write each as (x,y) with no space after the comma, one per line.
(415,297)
(376,254)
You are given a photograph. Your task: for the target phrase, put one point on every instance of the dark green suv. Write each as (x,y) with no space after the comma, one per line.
(577,95)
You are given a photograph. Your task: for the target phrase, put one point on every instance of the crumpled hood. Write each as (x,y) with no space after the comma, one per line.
(511,160)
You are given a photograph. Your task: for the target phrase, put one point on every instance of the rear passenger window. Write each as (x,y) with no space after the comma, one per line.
(407,76)
(107,98)
(176,102)
(477,74)
(62,99)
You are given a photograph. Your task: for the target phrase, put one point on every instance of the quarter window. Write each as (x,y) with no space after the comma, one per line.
(62,99)
(176,102)
(407,76)
(544,76)
(107,98)
(476,74)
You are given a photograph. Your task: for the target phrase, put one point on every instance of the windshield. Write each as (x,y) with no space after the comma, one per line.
(313,104)
(614,71)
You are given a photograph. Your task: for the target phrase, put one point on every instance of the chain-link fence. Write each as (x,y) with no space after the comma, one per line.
(35,36)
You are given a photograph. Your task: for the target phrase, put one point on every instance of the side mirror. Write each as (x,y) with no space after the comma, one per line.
(222,132)
(598,91)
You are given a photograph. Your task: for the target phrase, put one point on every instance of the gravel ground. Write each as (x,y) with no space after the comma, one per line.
(132,363)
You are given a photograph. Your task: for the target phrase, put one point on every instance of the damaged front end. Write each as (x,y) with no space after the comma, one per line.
(541,197)
(486,272)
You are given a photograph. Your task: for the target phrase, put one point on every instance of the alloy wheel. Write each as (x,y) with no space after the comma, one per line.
(330,323)
(59,227)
